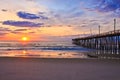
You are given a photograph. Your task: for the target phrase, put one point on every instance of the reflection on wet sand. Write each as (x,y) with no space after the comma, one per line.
(42,54)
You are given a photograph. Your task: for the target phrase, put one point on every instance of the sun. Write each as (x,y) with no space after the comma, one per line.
(24,38)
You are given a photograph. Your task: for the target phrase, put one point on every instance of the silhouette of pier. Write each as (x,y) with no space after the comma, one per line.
(102,41)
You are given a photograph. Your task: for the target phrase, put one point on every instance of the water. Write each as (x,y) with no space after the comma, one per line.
(42,50)
(105,54)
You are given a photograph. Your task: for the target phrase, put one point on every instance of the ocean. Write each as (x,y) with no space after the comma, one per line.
(42,50)
(52,50)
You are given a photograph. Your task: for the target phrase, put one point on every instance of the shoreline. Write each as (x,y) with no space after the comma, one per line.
(62,59)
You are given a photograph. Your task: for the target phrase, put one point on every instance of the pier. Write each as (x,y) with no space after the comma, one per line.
(103,41)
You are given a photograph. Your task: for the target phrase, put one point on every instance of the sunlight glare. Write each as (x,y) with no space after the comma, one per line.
(24,38)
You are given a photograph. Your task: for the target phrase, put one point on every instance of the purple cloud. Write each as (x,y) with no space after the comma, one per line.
(22,23)
(108,5)
(26,15)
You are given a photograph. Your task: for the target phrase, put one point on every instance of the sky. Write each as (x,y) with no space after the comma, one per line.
(56,20)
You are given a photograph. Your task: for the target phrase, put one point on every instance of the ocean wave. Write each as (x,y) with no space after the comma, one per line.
(40,46)
(43,48)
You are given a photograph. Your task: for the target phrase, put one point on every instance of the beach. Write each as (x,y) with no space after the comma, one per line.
(22,68)
(59,40)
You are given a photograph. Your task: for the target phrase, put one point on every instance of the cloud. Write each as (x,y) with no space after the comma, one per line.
(2,33)
(4,10)
(20,30)
(31,32)
(22,23)
(117,12)
(4,29)
(77,14)
(41,12)
(108,5)
(109,8)
(17,31)
(26,15)
(29,0)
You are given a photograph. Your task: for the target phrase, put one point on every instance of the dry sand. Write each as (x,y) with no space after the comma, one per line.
(59,69)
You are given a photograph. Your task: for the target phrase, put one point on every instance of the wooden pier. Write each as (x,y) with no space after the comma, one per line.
(103,41)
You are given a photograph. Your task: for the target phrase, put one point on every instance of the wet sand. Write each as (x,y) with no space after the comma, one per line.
(59,69)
